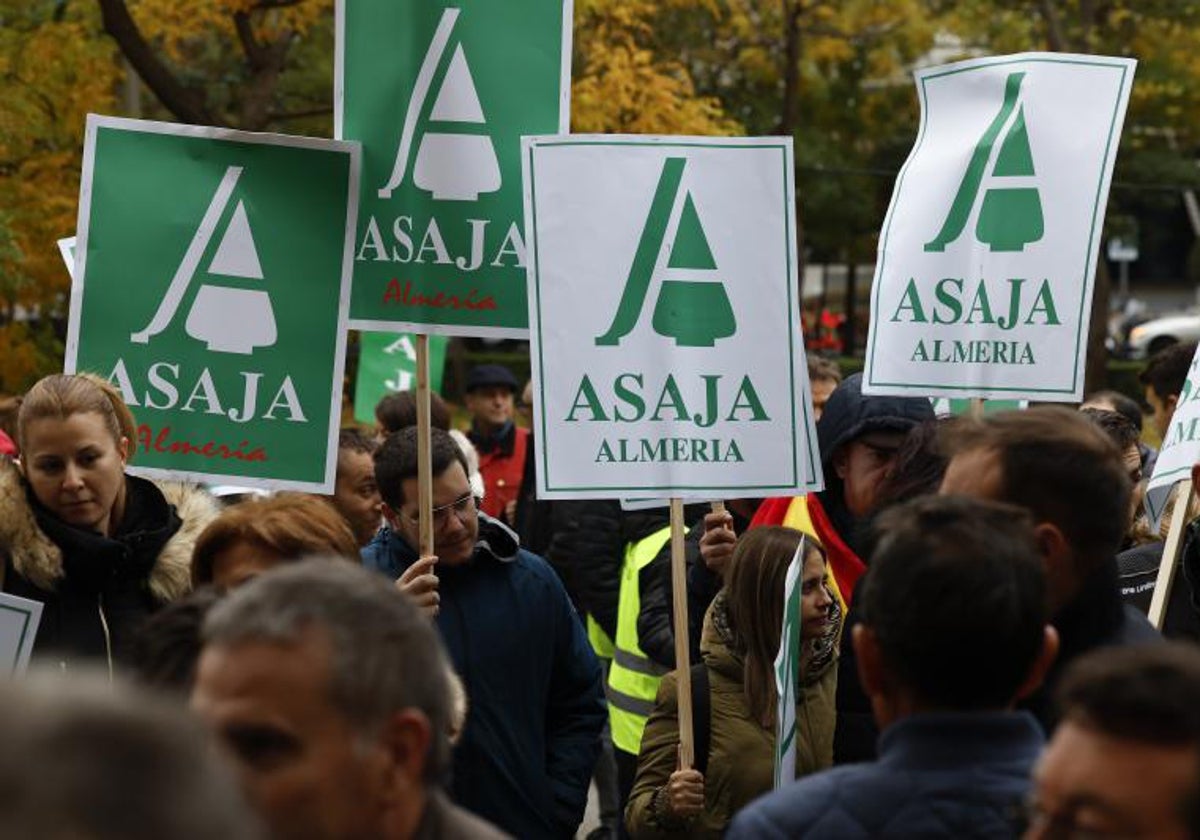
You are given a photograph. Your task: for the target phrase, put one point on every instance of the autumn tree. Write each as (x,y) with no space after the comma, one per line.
(236,63)
(1156,162)
(623,83)
(55,68)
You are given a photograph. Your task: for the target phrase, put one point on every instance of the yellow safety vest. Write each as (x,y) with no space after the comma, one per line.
(602,643)
(633,677)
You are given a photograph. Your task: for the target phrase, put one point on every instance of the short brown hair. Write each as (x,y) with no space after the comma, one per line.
(1144,693)
(1062,468)
(354,439)
(399,411)
(63,394)
(822,368)
(291,525)
(1167,370)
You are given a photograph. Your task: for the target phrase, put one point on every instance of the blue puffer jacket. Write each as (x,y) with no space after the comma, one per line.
(938,775)
(536,700)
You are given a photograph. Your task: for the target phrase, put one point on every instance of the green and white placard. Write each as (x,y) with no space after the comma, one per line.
(787,672)
(983,285)
(666,344)
(19,620)
(1180,447)
(387,362)
(212,288)
(440,93)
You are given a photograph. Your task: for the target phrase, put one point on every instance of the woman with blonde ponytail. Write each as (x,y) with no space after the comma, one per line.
(100,549)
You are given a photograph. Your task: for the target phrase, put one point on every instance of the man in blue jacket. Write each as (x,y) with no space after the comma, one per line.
(953,632)
(533,685)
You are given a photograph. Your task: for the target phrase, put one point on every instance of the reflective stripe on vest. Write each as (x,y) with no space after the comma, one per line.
(633,678)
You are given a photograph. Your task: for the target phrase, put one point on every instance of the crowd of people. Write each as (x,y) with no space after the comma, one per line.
(974,655)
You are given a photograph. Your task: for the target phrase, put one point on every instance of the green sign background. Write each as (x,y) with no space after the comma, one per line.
(146,188)
(377,366)
(518,58)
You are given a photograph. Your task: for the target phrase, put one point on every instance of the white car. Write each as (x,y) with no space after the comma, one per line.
(1159,334)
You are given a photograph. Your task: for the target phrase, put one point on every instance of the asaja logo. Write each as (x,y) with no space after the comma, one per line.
(1010,215)
(228,319)
(692,306)
(451,165)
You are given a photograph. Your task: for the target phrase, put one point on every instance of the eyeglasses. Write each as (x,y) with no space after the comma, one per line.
(462,508)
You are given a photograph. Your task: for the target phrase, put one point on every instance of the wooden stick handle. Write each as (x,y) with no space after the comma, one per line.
(1171,551)
(718,507)
(976,410)
(424,456)
(683,665)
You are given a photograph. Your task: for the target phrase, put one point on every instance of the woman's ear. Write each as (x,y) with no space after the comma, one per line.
(125,450)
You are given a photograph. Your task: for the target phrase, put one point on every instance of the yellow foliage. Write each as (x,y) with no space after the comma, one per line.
(181,26)
(54,73)
(622,85)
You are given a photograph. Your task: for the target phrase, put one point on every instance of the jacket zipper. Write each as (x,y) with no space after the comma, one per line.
(107,635)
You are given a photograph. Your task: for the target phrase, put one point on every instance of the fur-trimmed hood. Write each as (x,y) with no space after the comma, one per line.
(40,561)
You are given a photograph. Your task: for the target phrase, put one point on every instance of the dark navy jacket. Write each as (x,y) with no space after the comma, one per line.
(534,691)
(938,775)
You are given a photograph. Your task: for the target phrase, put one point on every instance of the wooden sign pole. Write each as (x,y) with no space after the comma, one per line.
(683,669)
(424,456)
(1171,551)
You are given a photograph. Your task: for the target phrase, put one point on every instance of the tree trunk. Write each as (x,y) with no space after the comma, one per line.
(788,116)
(185,104)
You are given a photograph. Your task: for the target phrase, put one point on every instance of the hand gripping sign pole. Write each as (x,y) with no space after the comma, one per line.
(683,671)
(424,456)
(1171,551)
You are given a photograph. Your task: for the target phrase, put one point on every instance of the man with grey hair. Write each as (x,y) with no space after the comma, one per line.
(86,758)
(330,691)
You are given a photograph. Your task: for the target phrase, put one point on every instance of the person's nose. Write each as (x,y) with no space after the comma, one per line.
(72,478)
(453,525)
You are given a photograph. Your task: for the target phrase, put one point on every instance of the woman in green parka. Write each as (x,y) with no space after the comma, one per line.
(739,644)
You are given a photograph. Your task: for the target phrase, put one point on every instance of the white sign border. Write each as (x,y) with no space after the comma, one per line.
(1127,67)
(805,479)
(95,122)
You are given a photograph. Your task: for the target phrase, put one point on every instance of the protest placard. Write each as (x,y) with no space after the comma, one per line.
(944,407)
(218,307)
(666,349)
(983,284)
(387,362)
(19,619)
(1180,447)
(440,94)
(787,673)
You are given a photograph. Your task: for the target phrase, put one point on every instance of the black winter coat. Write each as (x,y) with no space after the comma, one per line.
(96,591)
(655,625)
(595,537)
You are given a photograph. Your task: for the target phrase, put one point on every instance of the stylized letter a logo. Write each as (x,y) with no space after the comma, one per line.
(692,306)
(1010,216)
(458,165)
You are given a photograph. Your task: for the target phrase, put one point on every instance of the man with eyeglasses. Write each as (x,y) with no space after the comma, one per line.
(534,688)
